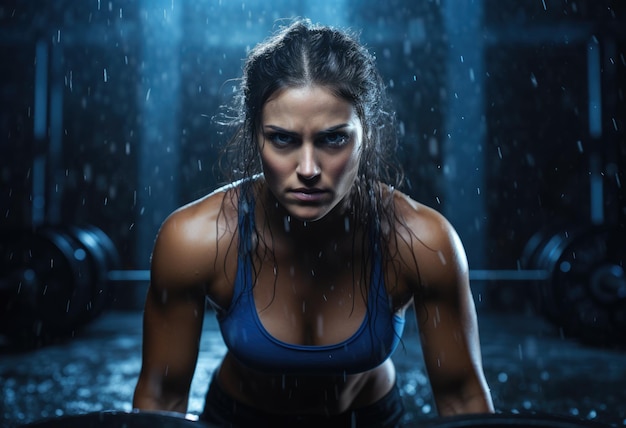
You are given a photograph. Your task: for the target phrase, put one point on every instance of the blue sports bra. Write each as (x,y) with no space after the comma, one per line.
(252,345)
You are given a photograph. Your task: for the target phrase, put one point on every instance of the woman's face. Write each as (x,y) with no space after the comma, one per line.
(310,144)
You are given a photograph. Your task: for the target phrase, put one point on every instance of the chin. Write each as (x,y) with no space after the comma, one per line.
(312,215)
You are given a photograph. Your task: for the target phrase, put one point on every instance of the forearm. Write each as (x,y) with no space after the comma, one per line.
(155,397)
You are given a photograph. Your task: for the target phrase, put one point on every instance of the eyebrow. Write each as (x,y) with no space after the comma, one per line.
(295,134)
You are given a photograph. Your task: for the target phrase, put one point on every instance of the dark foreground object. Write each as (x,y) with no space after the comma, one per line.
(115,419)
(511,420)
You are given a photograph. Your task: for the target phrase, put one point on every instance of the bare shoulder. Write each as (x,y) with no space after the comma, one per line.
(430,247)
(192,242)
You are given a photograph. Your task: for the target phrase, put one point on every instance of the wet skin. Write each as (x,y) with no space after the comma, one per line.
(310,145)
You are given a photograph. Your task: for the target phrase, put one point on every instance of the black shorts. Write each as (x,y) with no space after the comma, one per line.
(223,411)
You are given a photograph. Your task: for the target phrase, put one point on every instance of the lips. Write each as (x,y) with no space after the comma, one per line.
(308,194)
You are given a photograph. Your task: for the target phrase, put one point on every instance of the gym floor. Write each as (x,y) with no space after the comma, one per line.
(530,367)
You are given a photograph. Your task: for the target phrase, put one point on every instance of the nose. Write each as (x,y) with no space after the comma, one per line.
(308,167)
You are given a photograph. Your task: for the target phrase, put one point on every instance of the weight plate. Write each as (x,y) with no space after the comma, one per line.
(586,293)
(101,256)
(44,271)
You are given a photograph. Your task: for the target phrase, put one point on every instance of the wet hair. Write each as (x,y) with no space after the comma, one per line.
(303,54)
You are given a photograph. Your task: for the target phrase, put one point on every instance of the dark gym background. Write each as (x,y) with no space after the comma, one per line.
(513,125)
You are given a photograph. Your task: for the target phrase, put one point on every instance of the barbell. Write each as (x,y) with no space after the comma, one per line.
(54,280)
(585,293)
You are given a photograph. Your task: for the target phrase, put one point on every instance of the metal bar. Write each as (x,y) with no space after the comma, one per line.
(129,275)
(475,275)
(509,275)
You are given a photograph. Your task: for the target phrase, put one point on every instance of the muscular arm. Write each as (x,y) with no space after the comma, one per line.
(447,318)
(181,274)
(171,336)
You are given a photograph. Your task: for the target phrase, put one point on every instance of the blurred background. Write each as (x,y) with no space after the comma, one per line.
(512,119)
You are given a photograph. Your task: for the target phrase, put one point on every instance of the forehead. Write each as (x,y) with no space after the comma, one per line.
(307,104)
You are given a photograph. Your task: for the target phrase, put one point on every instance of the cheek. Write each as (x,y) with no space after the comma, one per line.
(274,167)
(352,163)
(346,168)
